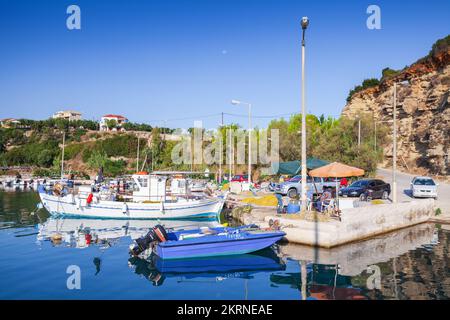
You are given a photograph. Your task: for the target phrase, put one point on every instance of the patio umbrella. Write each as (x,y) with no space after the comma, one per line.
(336,170)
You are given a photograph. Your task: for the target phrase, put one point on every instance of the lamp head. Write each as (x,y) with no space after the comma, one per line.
(235,102)
(305,23)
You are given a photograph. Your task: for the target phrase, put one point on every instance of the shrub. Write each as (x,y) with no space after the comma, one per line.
(367,83)
(72,150)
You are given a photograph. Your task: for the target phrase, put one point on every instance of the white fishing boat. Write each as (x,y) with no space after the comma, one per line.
(147,201)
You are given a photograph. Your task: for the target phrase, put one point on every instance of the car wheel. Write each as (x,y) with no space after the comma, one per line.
(362,197)
(385,195)
(292,193)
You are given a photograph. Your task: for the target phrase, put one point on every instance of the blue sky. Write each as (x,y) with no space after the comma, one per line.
(153,60)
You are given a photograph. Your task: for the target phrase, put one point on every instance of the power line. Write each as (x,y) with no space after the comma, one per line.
(221,114)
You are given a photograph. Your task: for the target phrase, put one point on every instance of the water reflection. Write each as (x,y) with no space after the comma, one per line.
(412,263)
(219,268)
(82,233)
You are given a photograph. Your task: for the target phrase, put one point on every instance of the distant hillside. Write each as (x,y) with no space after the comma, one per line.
(422,106)
(40,147)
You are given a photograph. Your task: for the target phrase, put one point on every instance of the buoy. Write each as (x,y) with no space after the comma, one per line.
(89,198)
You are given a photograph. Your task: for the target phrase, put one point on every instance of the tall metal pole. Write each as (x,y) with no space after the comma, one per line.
(375,140)
(304,26)
(230,150)
(62,155)
(249,143)
(394,151)
(220,152)
(359,132)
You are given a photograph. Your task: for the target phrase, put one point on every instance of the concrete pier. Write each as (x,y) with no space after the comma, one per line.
(356,257)
(356,223)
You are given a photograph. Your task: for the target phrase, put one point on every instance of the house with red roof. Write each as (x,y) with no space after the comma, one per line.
(112,122)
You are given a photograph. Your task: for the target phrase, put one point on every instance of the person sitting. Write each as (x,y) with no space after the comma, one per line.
(324,199)
(343,183)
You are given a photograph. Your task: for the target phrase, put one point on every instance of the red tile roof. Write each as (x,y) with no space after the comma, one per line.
(113,116)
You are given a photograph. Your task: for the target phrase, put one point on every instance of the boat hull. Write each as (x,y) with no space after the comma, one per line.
(230,244)
(75,207)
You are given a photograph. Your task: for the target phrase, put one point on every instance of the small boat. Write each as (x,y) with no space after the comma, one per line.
(148,201)
(206,242)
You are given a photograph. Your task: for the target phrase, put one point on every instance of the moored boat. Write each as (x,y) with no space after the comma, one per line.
(148,201)
(206,242)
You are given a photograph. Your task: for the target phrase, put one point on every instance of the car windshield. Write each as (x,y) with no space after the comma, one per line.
(424,182)
(359,184)
(295,179)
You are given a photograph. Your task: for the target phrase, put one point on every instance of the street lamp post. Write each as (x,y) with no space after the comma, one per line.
(304,24)
(236,102)
(231,157)
(394,148)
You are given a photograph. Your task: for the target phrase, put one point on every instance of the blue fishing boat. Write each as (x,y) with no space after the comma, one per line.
(206,242)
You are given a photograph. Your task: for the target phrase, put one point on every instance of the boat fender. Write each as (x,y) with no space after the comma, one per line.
(124,208)
(78,203)
(162,207)
(160,232)
(89,198)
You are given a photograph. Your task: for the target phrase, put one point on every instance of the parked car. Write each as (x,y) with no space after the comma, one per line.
(424,187)
(293,186)
(367,188)
(240,178)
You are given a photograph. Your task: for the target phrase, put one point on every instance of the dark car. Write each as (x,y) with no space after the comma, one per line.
(367,188)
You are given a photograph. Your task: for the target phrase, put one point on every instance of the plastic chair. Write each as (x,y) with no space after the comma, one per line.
(327,206)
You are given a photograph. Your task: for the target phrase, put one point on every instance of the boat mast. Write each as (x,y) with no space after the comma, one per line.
(62,155)
(137,156)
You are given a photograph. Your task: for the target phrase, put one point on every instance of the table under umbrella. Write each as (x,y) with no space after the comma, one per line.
(336,170)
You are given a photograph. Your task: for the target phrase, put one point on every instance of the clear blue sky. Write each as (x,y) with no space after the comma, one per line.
(166,59)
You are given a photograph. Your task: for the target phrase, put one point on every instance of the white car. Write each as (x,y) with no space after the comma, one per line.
(424,187)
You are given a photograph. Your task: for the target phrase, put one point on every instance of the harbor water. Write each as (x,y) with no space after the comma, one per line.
(48,258)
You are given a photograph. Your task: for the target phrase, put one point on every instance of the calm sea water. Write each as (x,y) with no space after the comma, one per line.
(409,264)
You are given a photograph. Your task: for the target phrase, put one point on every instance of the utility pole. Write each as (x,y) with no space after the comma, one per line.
(359,132)
(394,148)
(375,137)
(304,24)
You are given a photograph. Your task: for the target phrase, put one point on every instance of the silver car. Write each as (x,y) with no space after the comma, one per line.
(424,187)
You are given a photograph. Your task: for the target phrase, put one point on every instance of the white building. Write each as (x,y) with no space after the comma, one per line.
(119,121)
(67,115)
(9,123)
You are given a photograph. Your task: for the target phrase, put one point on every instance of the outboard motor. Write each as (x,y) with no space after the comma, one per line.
(154,235)
(160,233)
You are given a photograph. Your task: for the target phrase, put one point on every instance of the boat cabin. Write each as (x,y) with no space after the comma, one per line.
(179,186)
(149,188)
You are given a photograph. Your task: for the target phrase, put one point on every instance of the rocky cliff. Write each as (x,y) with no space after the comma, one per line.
(423,111)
